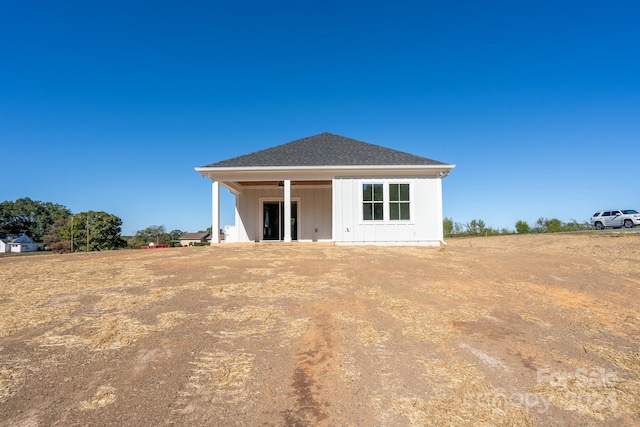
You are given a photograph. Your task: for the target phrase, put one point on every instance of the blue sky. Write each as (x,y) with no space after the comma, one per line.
(109,105)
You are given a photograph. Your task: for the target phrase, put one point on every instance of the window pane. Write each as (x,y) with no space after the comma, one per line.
(377,211)
(367,211)
(377,192)
(404,192)
(393,193)
(394,211)
(367,192)
(404,211)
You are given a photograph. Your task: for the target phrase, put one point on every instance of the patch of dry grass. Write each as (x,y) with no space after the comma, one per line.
(594,391)
(105,395)
(259,271)
(296,327)
(17,315)
(10,379)
(462,397)
(117,300)
(365,331)
(47,291)
(217,377)
(107,331)
(222,370)
(535,320)
(251,320)
(283,285)
(424,323)
(257,321)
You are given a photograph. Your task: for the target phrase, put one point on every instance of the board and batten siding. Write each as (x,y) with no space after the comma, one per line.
(424,227)
(314,212)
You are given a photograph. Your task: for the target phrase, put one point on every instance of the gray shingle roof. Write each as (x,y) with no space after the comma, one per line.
(10,238)
(326,149)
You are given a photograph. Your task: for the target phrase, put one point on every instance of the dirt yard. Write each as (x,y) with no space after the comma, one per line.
(512,330)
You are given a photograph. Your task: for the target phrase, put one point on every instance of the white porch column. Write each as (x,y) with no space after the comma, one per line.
(287,210)
(333,210)
(215,212)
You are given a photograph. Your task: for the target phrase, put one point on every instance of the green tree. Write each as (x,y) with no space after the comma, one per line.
(447,227)
(158,233)
(540,226)
(476,227)
(32,217)
(53,239)
(137,240)
(554,225)
(482,228)
(174,235)
(574,225)
(154,233)
(93,231)
(522,227)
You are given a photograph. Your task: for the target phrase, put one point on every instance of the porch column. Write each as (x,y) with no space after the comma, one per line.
(333,210)
(287,210)
(215,212)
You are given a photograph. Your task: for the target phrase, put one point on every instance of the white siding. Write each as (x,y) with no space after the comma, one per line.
(347,225)
(24,247)
(425,226)
(314,212)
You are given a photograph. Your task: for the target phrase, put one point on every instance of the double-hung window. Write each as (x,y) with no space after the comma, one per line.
(372,202)
(386,201)
(399,202)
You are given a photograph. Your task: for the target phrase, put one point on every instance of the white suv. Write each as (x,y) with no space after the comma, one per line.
(616,218)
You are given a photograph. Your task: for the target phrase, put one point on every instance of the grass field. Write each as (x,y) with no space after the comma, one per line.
(508,330)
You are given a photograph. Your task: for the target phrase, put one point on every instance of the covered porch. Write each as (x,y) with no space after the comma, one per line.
(264,208)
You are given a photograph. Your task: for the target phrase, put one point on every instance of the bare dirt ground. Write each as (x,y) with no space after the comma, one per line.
(513,330)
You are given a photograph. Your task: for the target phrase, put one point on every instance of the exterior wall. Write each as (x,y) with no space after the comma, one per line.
(314,212)
(186,242)
(24,247)
(22,243)
(424,227)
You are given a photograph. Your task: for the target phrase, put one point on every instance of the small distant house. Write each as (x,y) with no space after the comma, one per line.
(331,188)
(188,238)
(17,243)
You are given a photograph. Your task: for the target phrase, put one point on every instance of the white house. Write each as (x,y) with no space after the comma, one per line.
(17,243)
(332,188)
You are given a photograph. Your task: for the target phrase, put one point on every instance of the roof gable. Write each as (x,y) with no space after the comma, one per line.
(15,238)
(325,149)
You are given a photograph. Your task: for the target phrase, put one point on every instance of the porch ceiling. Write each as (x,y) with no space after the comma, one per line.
(271,183)
(238,186)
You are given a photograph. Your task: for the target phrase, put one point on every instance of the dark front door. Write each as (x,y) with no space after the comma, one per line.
(273,221)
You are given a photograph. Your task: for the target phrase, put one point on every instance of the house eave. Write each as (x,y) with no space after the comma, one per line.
(319,172)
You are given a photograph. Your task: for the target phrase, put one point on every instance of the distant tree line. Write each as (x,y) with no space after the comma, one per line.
(63,231)
(156,234)
(60,229)
(477,227)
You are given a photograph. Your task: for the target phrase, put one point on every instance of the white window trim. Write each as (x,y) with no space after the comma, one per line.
(388,202)
(362,202)
(385,202)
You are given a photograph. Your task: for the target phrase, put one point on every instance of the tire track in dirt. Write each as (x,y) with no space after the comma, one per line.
(311,371)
